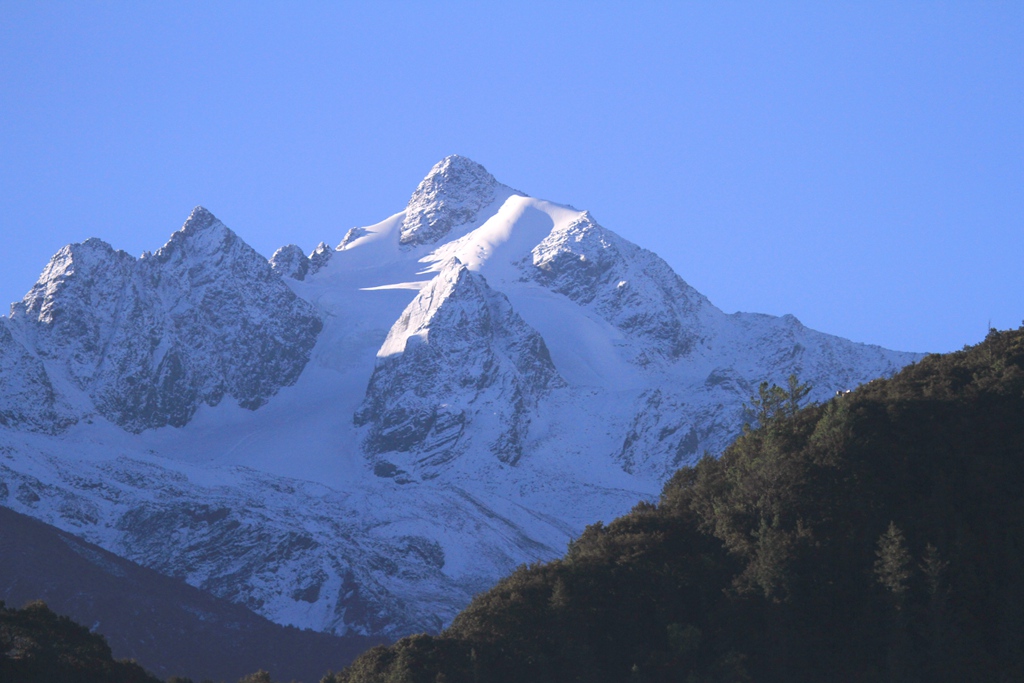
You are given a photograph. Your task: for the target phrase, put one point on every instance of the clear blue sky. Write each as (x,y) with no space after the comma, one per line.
(858,165)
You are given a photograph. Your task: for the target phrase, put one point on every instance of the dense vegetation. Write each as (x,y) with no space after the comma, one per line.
(38,646)
(879,536)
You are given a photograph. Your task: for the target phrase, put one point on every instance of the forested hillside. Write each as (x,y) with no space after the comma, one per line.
(879,536)
(37,645)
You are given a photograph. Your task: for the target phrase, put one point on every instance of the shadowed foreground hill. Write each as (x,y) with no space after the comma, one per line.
(166,625)
(38,645)
(879,536)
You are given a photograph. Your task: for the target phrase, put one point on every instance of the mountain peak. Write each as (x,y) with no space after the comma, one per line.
(320,257)
(453,282)
(90,259)
(201,236)
(290,261)
(453,264)
(455,168)
(203,227)
(199,219)
(451,195)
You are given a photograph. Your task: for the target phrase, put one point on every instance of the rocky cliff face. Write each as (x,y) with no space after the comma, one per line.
(149,340)
(453,194)
(28,399)
(631,288)
(320,257)
(289,261)
(459,369)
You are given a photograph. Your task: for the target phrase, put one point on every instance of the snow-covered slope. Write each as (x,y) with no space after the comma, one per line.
(447,394)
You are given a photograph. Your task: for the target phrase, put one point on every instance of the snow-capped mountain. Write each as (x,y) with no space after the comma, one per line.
(360,439)
(149,340)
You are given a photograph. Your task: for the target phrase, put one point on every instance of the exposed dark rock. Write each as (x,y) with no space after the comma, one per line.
(290,262)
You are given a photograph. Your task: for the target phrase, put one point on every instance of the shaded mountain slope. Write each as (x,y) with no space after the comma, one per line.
(879,536)
(164,624)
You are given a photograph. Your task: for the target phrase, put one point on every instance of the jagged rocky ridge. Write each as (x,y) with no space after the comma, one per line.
(149,340)
(449,393)
(630,287)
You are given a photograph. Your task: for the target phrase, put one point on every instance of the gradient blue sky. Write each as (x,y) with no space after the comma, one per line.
(858,165)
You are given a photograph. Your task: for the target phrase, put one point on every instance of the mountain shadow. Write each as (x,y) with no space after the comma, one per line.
(166,625)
